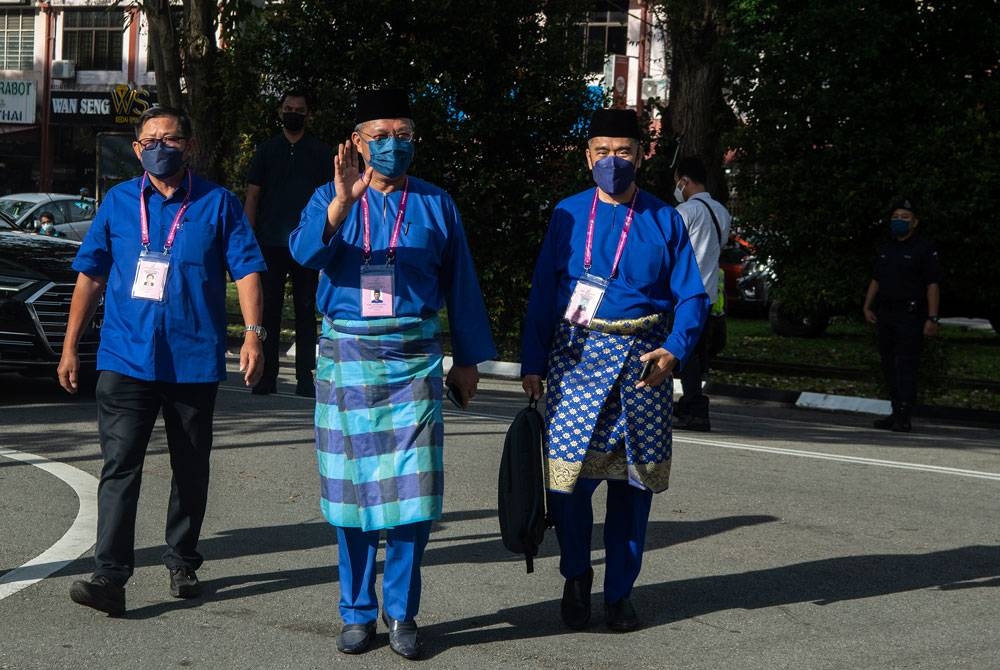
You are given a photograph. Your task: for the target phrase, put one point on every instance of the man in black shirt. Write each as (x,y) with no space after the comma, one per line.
(285,172)
(905,293)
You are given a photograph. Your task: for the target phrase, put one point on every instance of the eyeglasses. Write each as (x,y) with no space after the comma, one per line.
(172,141)
(404,135)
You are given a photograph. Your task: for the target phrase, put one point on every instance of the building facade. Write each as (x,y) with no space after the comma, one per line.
(74,76)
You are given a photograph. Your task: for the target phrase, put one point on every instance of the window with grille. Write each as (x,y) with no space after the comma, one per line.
(605,32)
(17,40)
(93,38)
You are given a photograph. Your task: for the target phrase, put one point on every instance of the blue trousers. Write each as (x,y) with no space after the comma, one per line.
(404,551)
(624,532)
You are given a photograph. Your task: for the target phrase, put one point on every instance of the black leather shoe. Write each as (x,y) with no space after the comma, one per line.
(305,388)
(698,423)
(901,424)
(403,637)
(575,606)
(355,638)
(885,423)
(264,387)
(621,616)
(184,583)
(100,593)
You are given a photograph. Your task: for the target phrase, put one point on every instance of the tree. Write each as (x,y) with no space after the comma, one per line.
(845,104)
(697,115)
(184,48)
(498,93)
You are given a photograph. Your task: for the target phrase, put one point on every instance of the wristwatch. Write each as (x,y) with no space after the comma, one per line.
(934,319)
(259,331)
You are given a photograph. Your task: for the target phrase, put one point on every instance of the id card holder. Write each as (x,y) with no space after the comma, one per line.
(586,298)
(151,276)
(378,288)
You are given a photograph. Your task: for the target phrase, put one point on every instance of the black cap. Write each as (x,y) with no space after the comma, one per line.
(900,202)
(387,103)
(614,123)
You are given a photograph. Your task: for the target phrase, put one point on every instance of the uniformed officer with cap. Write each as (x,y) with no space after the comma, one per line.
(902,302)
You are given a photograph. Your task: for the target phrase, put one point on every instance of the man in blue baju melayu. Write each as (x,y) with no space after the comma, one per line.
(392,252)
(616,304)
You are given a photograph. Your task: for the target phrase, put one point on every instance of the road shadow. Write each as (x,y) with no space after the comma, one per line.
(821,582)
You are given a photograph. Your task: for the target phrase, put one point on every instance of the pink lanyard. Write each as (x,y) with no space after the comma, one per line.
(144,217)
(394,240)
(621,240)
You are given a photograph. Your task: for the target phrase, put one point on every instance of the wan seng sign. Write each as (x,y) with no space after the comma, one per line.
(120,106)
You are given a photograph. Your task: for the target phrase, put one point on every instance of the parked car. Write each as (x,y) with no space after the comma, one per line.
(747,278)
(36,285)
(72,214)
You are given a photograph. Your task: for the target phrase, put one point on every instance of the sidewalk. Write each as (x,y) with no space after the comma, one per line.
(510,371)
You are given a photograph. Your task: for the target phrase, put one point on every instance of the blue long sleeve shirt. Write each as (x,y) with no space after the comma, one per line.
(433,265)
(658,273)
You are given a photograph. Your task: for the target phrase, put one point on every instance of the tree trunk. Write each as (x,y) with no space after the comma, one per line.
(697,111)
(166,56)
(200,56)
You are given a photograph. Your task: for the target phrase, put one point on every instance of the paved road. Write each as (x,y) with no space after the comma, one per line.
(789,539)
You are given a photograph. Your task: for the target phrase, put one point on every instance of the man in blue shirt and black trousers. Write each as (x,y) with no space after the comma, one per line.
(158,250)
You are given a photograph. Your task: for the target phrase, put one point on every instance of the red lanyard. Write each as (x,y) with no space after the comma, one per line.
(144,217)
(394,240)
(621,240)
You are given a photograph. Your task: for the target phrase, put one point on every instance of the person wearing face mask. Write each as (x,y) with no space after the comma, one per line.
(47,225)
(707,222)
(158,251)
(903,302)
(616,304)
(283,174)
(379,425)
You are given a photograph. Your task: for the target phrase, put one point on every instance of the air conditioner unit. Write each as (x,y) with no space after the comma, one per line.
(63,69)
(654,88)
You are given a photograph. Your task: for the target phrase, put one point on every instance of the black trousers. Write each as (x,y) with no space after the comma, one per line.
(281,266)
(126,412)
(900,336)
(694,402)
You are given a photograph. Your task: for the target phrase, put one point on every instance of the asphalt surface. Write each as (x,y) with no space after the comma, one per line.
(788,539)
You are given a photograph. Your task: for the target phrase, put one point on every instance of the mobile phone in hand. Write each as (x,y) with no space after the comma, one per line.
(455,396)
(647,369)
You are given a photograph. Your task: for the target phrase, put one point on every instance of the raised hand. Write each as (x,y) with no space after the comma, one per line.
(351,184)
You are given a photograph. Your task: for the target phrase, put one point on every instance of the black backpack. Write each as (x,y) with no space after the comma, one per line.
(520,487)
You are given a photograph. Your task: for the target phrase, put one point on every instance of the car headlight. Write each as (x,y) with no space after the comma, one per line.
(11,285)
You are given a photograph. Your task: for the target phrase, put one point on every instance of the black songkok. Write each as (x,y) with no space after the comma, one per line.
(387,103)
(614,123)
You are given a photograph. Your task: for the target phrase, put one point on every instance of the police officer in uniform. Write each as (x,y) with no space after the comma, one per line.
(902,302)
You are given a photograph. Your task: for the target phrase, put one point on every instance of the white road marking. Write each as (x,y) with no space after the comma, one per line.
(74,542)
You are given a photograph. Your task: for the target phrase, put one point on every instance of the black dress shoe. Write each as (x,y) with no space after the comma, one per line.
(184,583)
(575,606)
(403,637)
(355,638)
(264,387)
(305,388)
(699,423)
(621,616)
(100,593)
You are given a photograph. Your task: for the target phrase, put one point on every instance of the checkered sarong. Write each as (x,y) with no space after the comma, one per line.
(379,429)
(598,425)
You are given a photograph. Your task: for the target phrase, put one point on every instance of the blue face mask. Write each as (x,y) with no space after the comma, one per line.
(391,156)
(613,174)
(899,227)
(162,161)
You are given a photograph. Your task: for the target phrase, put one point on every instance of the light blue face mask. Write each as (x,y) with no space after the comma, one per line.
(390,156)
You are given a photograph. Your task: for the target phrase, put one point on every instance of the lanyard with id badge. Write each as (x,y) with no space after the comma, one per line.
(151,271)
(378,283)
(589,290)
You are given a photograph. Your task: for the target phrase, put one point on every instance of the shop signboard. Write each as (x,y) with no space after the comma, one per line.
(17,101)
(117,107)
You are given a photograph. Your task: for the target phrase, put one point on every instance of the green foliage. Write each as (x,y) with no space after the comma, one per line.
(498,98)
(847,104)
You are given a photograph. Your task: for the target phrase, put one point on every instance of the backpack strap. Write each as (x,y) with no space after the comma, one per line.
(715,221)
